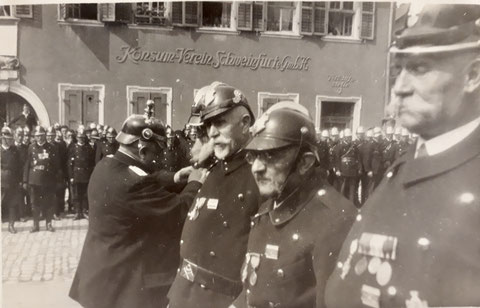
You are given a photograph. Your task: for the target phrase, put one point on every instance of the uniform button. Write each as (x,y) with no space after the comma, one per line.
(202,286)
(359,217)
(280,273)
(240,197)
(178,270)
(212,253)
(226,168)
(252,223)
(248,291)
(295,237)
(392,291)
(181,242)
(225,224)
(277,220)
(322,192)
(423,243)
(389,174)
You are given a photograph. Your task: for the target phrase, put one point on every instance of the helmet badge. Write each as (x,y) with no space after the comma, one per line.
(260,124)
(237,96)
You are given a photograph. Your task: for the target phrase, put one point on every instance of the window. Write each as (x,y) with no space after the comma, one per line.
(162,96)
(88,11)
(338,19)
(21,11)
(340,112)
(267,100)
(5,11)
(152,13)
(280,16)
(81,104)
(185,13)
(250,16)
(217,14)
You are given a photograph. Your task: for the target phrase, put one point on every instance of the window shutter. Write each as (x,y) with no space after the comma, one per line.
(259,16)
(123,12)
(62,11)
(320,19)
(177,13)
(23,11)
(368,20)
(107,11)
(307,18)
(245,16)
(191,13)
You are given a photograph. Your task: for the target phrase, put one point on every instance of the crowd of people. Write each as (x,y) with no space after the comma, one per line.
(265,214)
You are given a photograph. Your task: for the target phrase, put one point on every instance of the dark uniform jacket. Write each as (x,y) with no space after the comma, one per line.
(132,239)
(42,165)
(417,241)
(332,159)
(81,161)
(378,166)
(365,148)
(347,158)
(11,167)
(292,249)
(105,148)
(389,152)
(63,161)
(322,148)
(402,147)
(174,158)
(215,236)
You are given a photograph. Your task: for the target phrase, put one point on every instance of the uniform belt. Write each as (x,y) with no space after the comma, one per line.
(209,280)
(41,167)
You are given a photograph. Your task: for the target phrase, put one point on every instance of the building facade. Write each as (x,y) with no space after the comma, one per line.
(82,63)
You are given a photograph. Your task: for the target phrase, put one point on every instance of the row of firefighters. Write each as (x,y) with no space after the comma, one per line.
(39,169)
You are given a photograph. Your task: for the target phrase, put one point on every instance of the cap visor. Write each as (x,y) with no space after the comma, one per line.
(265,144)
(124,138)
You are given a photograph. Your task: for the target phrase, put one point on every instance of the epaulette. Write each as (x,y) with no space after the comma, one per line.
(137,171)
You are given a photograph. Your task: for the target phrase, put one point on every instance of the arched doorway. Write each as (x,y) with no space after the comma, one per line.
(13,96)
(11,107)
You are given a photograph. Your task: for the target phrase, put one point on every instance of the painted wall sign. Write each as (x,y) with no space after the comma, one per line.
(220,58)
(340,82)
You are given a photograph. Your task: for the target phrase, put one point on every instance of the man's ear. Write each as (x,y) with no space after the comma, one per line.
(305,162)
(246,123)
(473,76)
(142,151)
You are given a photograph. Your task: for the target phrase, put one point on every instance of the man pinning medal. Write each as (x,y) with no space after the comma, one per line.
(131,250)
(416,241)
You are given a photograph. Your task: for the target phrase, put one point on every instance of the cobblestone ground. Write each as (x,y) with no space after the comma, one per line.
(34,262)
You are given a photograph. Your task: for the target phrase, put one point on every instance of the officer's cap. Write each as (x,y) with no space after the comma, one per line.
(369,133)
(325,133)
(111,132)
(389,130)
(51,131)
(334,131)
(283,125)
(219,98)
(39,131)
(377,131)
(347,132)
(6,131)
(95,134)
(81,133)
(405,132)
(360,130)
(142,127)
(439,28)
(56,126)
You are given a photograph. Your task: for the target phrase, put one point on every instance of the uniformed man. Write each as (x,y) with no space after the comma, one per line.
(131,251)
(109,147)
(63,176)
(214,238)
(24,210)
(347,167)
(332,177)
(377,160)
(298,229)
(403,145)
(41,168)
(51,135)
(416,243)
(172,155)
(93,139)
(11,170)
(202,153)
(81,161)
(322,148)
(364,145)
(389,148)
(26,136)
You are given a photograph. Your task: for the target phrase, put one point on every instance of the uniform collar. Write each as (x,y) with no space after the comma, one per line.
(130,161)
(293,204)
(426,167)
(233,162)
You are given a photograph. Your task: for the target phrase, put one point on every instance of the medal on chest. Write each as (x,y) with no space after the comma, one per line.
(43,155)
(195,211)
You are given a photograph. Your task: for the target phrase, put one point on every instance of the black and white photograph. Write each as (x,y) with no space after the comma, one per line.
(240,154)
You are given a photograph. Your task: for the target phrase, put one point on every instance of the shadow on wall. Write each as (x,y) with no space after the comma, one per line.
(97,41)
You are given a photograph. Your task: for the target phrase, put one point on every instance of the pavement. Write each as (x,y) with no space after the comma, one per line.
(38,268)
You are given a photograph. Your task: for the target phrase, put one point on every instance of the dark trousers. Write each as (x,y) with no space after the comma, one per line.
(348,188)
(80,200)
(60,199)
(10,203)
(24,206)
(43,198)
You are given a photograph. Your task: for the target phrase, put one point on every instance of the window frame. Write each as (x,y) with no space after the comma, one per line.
(263,95)
(166,14)
(100,88)
(168,91)
(233,18)
(184,23)
(357,109)
(296,21)
(13,10)
(61,14)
